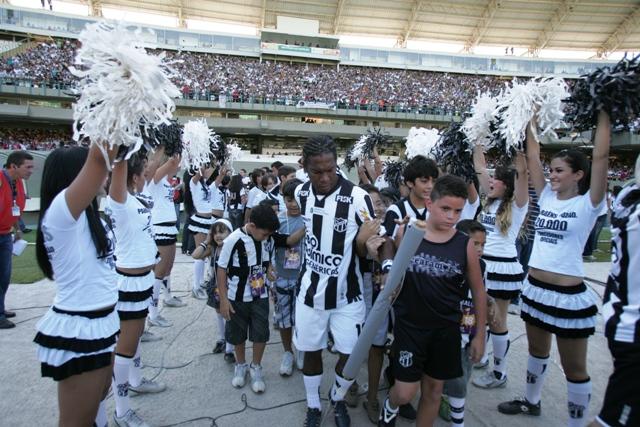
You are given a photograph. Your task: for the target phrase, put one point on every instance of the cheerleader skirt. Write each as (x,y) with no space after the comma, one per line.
(134,294)
(504,277)
(165,233)
(200,224)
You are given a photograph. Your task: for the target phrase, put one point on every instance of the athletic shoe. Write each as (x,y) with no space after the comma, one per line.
(219,347)
(160,321)
(519,405)
(229,358)
(387,418)
(148,336)
(9,314)
(299,359)
(129,419)
(373,410)
(199,293)
(489,380)
(174,302)
(481,364)
(148,386)
(257,380)
(314,416)
(340,413)
(286,367)
(6,323)
(239,375)
(445,408)
(352,397)
(408,412)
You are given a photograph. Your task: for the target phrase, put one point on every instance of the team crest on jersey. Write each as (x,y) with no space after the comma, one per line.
(340,225)
(365,214)
(405,359)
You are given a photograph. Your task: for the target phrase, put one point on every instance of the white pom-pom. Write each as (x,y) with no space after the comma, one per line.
(477,127)
(517,107)
(421,141)
(233,154)
(357,153)
(197,139)
(123,90)
(549,95)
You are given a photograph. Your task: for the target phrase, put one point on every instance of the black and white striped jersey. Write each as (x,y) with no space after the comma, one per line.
(330,276)
(399,210)
(621,309)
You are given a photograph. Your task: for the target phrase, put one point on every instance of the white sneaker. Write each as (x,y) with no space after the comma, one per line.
(257,381)
(199,293)
(148,336)
(129,419)
(174,302)
(489,380)
(148,386)
(299,359)
(286,367)
(160,321)
(239,375)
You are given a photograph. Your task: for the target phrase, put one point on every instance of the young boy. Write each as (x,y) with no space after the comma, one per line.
(288,262)
(427,311)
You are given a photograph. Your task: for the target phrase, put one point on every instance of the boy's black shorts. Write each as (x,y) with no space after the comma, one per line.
(432,352)
(621,406)
(249,316)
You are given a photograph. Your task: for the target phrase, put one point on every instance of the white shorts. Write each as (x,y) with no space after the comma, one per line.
(312,327)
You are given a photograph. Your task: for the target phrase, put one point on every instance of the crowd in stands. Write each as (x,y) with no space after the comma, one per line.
(33,139)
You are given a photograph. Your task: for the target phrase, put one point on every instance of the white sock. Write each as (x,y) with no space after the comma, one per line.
(500,349)
(456,411)
(221,325)
(166,287)
(101,416)
(579,394)
(155,297)
(485,355)
(121,384)
(135,371)
(228,348)
(387,406)
(312,387)
(340,388)
(198,273)
(536,372)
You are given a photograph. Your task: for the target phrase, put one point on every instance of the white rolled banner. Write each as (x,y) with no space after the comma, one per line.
(413,235)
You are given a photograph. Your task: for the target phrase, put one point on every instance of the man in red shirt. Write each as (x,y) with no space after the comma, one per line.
(19,166)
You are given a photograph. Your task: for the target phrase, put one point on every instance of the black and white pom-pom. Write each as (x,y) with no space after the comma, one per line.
(168,135)
(499,148)
(393,171)
(477,127)
(616,90)
(421,141)
(121,87)
(198,144)
(454,153)
(363,148)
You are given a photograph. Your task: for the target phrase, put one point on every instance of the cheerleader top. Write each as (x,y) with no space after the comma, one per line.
(218,197)
(469,210)
(83,281)
(498,244)
(131,224)
(164,209)
(562,229)
(202,196)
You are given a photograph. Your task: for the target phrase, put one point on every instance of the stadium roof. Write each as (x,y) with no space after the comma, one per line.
(603,26)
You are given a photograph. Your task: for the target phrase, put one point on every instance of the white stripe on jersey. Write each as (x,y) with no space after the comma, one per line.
(395,212)
(621,309)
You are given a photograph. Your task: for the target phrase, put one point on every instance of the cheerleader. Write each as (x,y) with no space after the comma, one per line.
(77,335)
(130,215)
(555,300)
(200,196)
(163,216)
(211,247)
(505,211)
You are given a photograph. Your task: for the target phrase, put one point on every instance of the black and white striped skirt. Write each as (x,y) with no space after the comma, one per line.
(165,233)
(73,342)
(567,311)
(200,224)
(504,277)
(134,294)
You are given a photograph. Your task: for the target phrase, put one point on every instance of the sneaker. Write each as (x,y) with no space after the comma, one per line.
(219,347)
(174,302)
(229,358)
(340,413)
(299,359)
(148,336)
(489,380)
(148,386)
(129,419)
(9,314)
(257,380)
(408,412)
(6,323)
(160,321)
(352,397)
(373,410)
(239,375)
(286,367)
(481,364)
(519,405)
(387,418)
(314,416)
(445,408)
(199,293)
